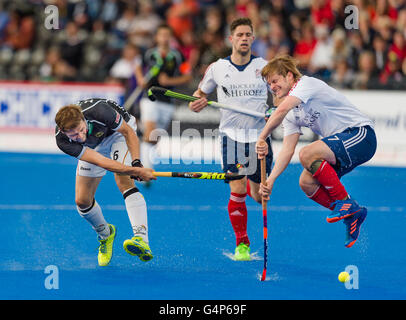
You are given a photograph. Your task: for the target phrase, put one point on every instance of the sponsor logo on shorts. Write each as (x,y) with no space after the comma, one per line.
(86,169)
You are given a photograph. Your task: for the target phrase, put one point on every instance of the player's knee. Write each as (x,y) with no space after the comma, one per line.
(84,203)
(124,182)
(305,156)
(309,160)
(304,181)
(238,186)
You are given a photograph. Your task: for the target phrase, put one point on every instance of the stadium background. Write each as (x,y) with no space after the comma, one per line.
(42,69)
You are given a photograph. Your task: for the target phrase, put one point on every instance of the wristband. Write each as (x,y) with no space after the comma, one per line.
(136,163)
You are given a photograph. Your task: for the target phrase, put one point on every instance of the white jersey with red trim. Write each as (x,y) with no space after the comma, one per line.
(323,109)
(240,86)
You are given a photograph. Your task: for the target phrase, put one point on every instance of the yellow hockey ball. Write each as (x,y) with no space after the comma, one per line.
(343,276)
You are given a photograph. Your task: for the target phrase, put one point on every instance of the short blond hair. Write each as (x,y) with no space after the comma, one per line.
(69,117)
(281,65)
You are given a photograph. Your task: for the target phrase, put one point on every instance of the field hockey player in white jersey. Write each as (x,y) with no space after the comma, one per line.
(348,140)
(238,81)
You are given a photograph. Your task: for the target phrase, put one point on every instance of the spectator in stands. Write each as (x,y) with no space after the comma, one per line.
(189,48)
(161,7)
(72,46)
(278,42)
(340,46)
(260,45)
(123,72)
(367,76)
(380,50)
(180,16)
(393,7)
(213,21)
(123,69)
(356,47)
(93,9)
(322,13)
(125,23)
(54,68)
(4,20)
(342,76)
(304,47)
(248,9)
(337,8)
(109,12)
(295,24)
(404,71)
(366,31)
(321,61)
(401,22)
(80,14)
(392,76)
(20,30)
(384,28)
(398,45)
(212,48)
(145,24)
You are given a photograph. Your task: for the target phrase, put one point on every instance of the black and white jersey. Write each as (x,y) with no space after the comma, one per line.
(103,117)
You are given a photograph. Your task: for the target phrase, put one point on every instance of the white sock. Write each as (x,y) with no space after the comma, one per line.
(95,217)
(137,212)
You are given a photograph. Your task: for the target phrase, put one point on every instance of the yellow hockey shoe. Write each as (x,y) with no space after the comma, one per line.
(136,246)
(106,247)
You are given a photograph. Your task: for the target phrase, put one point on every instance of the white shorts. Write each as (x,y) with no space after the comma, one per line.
(156,111)
(113,147)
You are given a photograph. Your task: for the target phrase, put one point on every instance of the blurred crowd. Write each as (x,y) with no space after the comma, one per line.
(101,40)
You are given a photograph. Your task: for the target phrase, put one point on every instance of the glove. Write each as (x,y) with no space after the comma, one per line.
(136,163)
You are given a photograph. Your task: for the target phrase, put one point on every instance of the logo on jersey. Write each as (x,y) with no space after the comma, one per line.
(226,91)
(311,117)
(257,73)
(245,90)
(99,134)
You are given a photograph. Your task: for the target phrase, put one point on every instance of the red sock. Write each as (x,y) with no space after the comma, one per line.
(237,211)
(322,197)
(329,180)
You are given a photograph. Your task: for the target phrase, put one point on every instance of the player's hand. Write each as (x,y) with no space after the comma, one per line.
(198,105)
(142,83)
(143,174)
(261,148)
(136,163)
(265,190)
(164,79)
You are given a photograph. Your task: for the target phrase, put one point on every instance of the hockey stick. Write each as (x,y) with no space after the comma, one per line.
(157,92)
(265,220)
(200,175)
